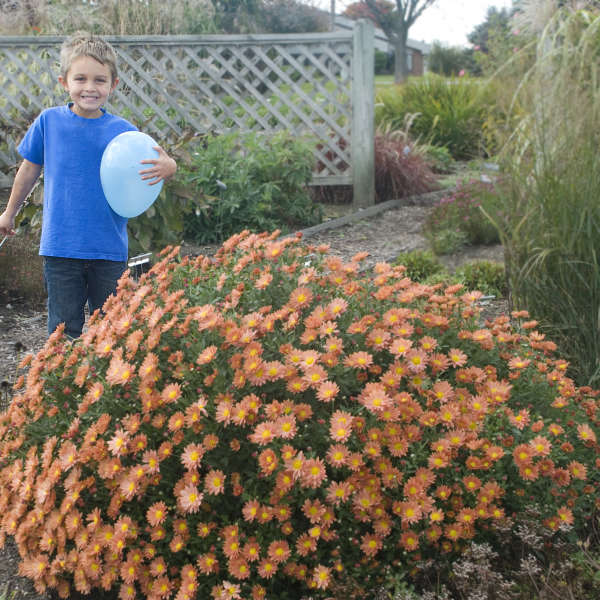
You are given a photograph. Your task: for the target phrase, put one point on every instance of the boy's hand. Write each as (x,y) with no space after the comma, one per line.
(163,167)
(7,224)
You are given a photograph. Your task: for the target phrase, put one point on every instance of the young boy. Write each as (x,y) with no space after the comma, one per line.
(83,243)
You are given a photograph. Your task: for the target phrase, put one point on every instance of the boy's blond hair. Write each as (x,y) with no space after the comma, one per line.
(83,43)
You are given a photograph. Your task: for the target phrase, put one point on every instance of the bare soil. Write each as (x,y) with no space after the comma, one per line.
(384,236)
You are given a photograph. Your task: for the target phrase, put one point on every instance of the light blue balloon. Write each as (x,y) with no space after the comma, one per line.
(127,194)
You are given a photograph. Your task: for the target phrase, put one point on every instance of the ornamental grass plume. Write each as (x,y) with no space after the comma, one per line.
(271,423)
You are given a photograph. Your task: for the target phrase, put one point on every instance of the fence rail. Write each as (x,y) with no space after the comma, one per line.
(318,86)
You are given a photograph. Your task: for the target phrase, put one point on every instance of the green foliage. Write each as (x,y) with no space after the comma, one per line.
(465,217)
(246,181)
(447,113)
(108,17)
(450,61)
(236,16)
(384,63)
(439,158)
(498,44)
(420,264)
(551,226)
(446,241)
(291,16)
(162,224)
(274,397)
(484,275)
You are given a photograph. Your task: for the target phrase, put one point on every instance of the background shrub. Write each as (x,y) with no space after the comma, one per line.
(447,241)
(420,264)
(273,403)
(450,61)
(245,181)
(439,158)
(484,275)
(459,219)
(449,113)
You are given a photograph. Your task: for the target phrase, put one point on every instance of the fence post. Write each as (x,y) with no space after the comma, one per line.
(363,115)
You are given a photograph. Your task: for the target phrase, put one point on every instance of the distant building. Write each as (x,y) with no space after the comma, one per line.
(417,52)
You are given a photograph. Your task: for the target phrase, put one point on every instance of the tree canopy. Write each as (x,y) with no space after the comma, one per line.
(394,19)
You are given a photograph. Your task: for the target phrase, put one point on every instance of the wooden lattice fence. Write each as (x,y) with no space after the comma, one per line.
(314,85)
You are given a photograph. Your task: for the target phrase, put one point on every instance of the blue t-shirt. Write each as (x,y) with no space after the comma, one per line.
(77,221)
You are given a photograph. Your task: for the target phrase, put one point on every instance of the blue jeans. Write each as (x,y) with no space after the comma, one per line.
(71,282)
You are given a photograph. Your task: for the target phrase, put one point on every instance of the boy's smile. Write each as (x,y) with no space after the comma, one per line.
(89,84)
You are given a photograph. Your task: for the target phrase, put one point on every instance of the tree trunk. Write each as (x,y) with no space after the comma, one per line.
(401,58)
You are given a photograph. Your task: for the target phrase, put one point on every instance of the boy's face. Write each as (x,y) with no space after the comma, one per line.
(89,84)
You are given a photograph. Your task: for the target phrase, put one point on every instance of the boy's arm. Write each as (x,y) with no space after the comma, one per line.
(163,167)
(23,184)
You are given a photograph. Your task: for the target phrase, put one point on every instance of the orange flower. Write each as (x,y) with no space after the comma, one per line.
(251,551)
(586,433)
(118,443)
(400,346)
(278,551)
(315,376)
(378,338)
(300,298)
(157,513)
(67,455)
(334,345)
(565,515)
(327,391)
(321,577)
(214,482)
(457,357)
(232,547)
(267,461)
(203,529)
(520,420)
(471,483)
(338,492)
(171,393)
(359,360)
(416,360)
(397,445)
(267,568)
(176,421)
(578,470)
(374,398)
(409,512)
(522,455)
(263,433)
(337,455)
(119,372)
(192,455)
(540,445)
(313,472)
(189,499)
(207,563)
(239,569)
(409,540)
(529,472)
(371,544)
(518,363)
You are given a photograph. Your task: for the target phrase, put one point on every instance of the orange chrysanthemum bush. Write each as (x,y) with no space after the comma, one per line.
(273,423)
